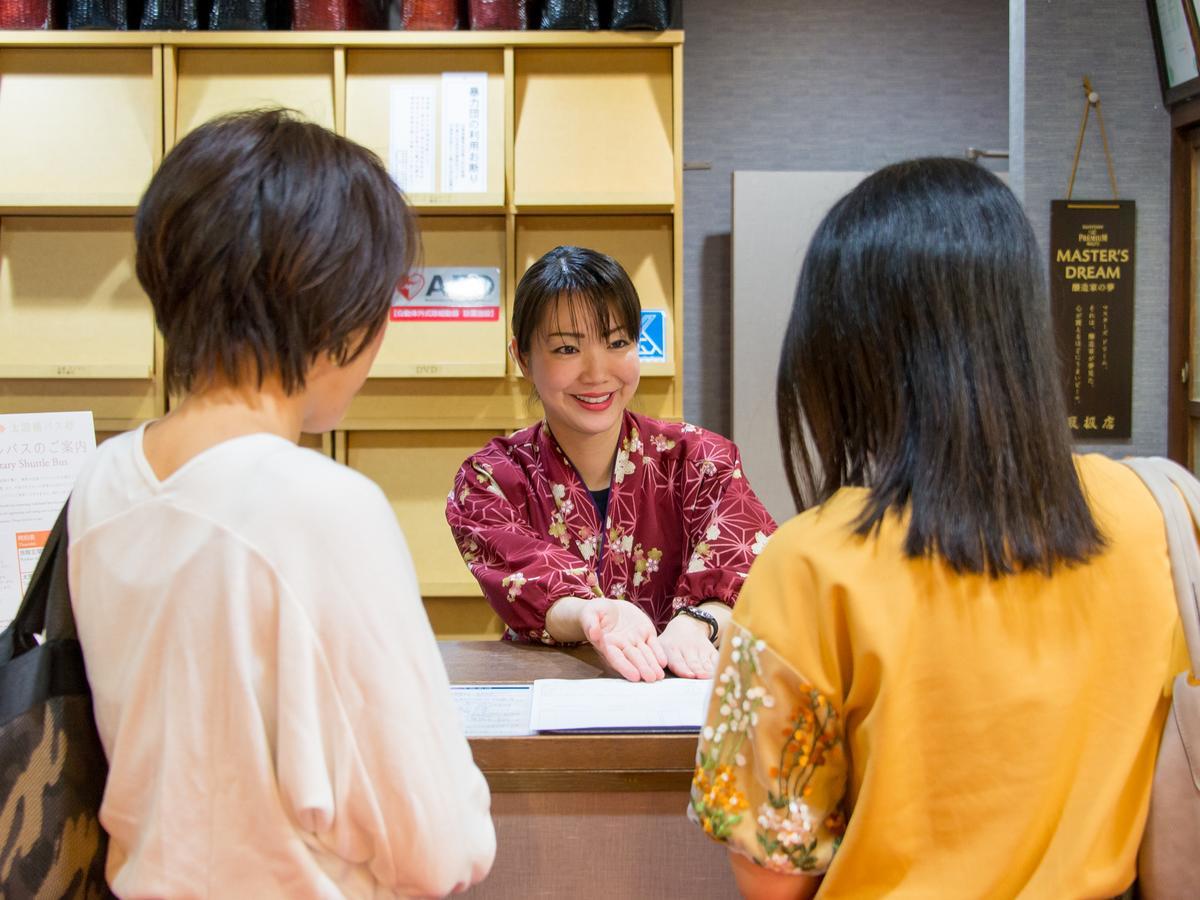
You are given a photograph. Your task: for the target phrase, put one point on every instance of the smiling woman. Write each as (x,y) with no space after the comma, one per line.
(598,524)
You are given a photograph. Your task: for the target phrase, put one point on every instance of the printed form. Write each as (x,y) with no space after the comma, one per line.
(40,456)
(493,710)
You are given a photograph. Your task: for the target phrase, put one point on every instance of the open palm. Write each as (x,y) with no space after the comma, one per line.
(625,637)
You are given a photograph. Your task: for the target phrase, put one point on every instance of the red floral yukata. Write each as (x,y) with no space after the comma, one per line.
(683,525)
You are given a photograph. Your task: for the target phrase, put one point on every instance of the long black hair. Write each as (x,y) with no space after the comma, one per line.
(917,363)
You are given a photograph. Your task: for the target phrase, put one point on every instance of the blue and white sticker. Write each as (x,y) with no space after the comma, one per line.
(652,343)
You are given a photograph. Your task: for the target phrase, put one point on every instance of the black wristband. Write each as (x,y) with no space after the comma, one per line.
(704,616)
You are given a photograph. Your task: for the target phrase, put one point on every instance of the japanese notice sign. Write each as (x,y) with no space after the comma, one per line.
(464,132)
(412,136)
(40,456)
(1092,261)
(438,133)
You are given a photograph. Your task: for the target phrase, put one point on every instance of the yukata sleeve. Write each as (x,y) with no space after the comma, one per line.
(522,572)
(771,765)
(725,525)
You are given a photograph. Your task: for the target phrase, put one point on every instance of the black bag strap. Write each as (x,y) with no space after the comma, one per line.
(47,602)
(59,619)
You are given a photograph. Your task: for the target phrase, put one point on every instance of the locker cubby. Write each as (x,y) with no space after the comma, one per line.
(594,127)
(70,300)
(416,471)
(82,126)
(213,81)
(643,245)
(78,330)
(371,76)
(454,348)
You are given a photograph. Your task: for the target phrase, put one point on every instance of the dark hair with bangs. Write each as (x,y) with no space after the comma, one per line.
(593,280)
(918,364)
(264,241)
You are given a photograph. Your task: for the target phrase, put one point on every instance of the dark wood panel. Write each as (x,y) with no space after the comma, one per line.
(603,846)
(505,662)
(587,751)
(574,781)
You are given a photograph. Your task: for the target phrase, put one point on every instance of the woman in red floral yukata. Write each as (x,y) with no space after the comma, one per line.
(599,524)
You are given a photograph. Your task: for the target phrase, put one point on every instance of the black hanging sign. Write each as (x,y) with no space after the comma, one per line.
(1091,287)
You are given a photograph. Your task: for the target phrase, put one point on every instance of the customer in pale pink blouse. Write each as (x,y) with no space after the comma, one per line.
(276,716)
(598,524)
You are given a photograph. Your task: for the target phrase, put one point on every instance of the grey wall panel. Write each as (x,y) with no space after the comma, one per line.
(1110,41)
(775,215)
(821,85)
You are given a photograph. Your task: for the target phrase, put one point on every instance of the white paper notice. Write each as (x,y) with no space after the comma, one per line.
(493,710)
(612,704)
(464,132)
(1178,52)
(40,456)
(411,136)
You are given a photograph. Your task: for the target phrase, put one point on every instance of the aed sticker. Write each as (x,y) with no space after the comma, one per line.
(448,294)
(652,344)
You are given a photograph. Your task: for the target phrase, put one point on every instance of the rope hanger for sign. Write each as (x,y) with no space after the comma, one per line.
(1091,98)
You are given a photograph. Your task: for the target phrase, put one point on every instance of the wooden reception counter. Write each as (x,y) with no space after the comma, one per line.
(583,816)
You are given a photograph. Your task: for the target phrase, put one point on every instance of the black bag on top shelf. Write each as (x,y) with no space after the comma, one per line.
(238,15)
(581,15)
(170,15)
(429,15)
(654,15)
(338,15)
(505,15)
(105,15)
(27,14)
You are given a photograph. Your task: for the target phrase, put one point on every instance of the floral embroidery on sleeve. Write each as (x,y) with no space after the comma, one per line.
(587,547)
(514,583)
(562,508)
(723,522)
(499,516)
(760,543)
(645,564)
(624,465)
(699,559)
(483,474)
(662,443)
(771,768)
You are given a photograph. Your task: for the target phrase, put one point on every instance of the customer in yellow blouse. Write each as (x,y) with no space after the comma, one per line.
(948,676)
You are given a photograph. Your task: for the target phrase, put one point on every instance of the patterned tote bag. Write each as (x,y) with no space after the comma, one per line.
(52,765)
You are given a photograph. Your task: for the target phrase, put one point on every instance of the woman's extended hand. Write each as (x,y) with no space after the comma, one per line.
(690,653)
(625,637)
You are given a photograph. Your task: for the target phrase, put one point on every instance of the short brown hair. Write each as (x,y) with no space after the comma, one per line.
(264,241)
(592,279)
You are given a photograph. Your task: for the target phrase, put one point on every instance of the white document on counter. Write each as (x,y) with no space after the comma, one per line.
(493,710)
(615,705)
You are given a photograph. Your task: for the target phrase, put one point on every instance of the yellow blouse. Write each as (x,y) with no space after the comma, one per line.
(911,732)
